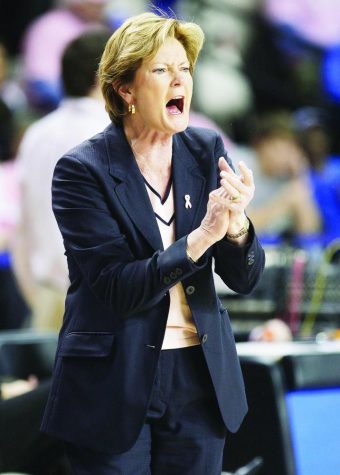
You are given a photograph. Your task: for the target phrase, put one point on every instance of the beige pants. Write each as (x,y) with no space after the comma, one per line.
(48,308)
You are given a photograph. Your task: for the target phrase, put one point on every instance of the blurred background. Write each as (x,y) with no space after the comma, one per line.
(268,79)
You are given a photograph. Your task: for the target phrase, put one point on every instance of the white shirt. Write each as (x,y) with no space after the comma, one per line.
(180,328)
(44,142)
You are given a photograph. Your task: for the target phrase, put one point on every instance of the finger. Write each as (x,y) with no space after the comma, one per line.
(219,199)
(234,180)
(221,191)
(230,189)
(247,173)
(236,207)
(223,165)
(225,204)
(237,191)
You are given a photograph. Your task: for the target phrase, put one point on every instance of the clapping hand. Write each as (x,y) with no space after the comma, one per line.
(227,204)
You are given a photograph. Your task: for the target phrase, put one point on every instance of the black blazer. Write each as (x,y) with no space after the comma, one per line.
(117,303)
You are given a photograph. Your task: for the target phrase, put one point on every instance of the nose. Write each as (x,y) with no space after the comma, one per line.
(177,79)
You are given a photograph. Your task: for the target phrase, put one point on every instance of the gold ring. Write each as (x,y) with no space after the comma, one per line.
(236,199)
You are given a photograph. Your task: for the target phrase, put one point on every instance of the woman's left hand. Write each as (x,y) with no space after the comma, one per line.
(235,193)
(239,188)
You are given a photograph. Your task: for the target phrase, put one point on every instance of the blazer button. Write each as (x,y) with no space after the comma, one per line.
(251,258)
(190,290)
(167,280)
(204,338)
(178,271)
(173,275)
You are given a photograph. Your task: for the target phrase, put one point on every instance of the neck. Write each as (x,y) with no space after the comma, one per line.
(152,149)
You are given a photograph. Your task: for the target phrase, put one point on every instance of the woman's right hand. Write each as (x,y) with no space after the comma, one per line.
(216,220)
(213,227)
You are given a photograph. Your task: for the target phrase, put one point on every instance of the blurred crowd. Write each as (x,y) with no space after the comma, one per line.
(268,80)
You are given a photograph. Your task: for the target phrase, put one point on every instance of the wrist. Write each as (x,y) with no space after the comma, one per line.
(238,230)
(191,259)
(236,222)
(205,237)
(198,241)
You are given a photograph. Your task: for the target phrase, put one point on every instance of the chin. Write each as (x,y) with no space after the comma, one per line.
(181,124)
(182,129)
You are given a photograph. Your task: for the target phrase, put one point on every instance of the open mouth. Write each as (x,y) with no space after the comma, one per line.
(175,105)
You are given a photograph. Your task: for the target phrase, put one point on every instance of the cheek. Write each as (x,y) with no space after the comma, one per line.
(143,98)
(151,95)
(189,87)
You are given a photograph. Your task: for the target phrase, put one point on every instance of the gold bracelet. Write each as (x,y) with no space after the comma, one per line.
(242,231)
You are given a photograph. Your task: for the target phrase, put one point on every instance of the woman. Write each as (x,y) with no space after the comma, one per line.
(147,377)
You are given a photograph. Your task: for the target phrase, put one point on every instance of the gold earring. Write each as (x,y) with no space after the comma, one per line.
(132,109)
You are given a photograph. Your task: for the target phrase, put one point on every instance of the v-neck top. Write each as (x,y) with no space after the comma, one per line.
(180,328)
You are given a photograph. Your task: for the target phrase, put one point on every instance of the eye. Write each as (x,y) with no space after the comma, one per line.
(159,70)
(186,69)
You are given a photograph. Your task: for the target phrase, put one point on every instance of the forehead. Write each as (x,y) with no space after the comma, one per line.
(170,51)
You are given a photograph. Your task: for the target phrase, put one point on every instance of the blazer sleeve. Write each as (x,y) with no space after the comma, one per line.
(240,267)
(92,237)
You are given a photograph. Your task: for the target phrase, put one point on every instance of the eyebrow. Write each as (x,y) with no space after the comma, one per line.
(163,62)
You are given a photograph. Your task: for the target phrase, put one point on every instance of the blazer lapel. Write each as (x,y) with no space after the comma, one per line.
(189,185)
(131,188)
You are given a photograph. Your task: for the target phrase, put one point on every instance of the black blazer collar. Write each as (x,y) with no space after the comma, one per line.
(189,184)
(187,179)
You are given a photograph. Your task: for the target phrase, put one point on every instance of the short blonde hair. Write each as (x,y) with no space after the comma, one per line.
(137,39)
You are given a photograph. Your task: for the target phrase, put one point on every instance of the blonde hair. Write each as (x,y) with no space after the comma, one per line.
(137,39)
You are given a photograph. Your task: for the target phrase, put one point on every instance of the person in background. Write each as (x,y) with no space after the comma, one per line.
(14,310)
(43,45)
(222,90)
(38,251)
(284,201)
(143,208)
(324,168)
(11,92)
(315,23)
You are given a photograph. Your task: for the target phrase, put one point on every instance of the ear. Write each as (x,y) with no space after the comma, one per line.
(124,92)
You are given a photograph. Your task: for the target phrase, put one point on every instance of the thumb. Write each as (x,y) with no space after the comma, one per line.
(223,164)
